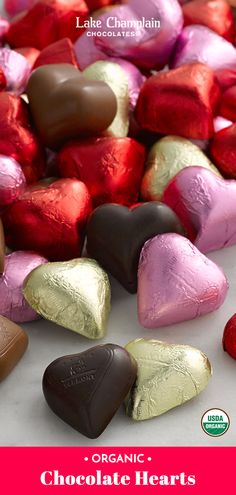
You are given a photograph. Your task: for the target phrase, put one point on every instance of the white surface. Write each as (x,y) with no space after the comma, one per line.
(25,418)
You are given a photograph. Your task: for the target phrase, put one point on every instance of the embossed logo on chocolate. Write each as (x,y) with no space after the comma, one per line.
(78,375)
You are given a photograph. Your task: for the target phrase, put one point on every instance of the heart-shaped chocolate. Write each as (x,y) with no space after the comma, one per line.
(168,376)
(13,344)
(166,158)
(74,294)
(116,235)
(50,220)
(206,206)
(86,390)
(215,14)
(115,168)
(223,151)
(65,105)
(2,248)
(176,282)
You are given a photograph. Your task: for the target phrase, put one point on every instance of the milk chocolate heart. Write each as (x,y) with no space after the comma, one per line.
(168,376)
(206,206)
(182,101)
(65,105)
(116,235)
(115,168)
(2,248)
(176,282)
(85,390)
(13,344)
(50,220)
(74,294)
(166,158)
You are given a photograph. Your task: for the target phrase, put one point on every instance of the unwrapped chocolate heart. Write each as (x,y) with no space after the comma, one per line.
(176,282)
(65,105)
(13,344)
(206,206)
(74,294)
(85,390)
(168,376)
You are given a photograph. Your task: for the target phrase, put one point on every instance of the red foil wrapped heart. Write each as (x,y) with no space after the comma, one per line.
(50,221)
(229,337)
(99,4)
(60,52)
(17,139)
(182,101)
(228,104)
(223,151)
(46,22)
(111,168)
(3,81)
(215,14)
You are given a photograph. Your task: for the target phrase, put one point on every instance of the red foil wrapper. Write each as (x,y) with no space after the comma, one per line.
(30,53)
(226,78)
(46,22)
(60,52)
(17,139)
(50,221)
(228,104)
(215,14)
(99,4)
(223,151)
(229,337)
(3,81)
(181,101)
(111,168)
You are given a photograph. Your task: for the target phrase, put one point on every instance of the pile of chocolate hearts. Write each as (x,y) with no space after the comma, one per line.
(117,157)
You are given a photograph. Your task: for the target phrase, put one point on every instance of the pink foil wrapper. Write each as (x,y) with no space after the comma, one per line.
(221,123)
(4,26)
(16,69)
(176,282)
(149,48)
(13,7)
(12,302)
(205,205)
(12,180)
(200,44)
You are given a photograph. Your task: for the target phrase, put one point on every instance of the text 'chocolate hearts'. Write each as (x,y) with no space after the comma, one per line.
(65,105)
(116,235)
(111,168)
(206,206)
(85,390)
(168,376)
(13,344)
(176,282)
(74,294)
(50,220)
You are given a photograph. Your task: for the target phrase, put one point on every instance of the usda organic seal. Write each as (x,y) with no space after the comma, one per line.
(215,422)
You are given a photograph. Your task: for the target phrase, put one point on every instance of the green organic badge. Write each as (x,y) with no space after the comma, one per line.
(215,422)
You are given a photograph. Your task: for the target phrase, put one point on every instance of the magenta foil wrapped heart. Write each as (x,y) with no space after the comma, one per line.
(176,282)
(12,180)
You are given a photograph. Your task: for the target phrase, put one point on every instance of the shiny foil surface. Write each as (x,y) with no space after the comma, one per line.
(215,14)
(166,158)
(60,52)
(228,104)
(2,248)
(12,180)
(47,21)
(4,26)
(229,337)
(221,123)
(176,282)
(206,206)
(223,151)
(31,54)
(12,302)
(50,220)
(200,44)
(113,75)
(14,7)
(17,140)
(115,168)
(16,69)
(182,101)
(168,376)
(74,294)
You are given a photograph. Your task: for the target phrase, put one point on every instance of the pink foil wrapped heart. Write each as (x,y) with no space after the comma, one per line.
(205,205)
(16,69)
(13,305)
(176,282)
(12,180)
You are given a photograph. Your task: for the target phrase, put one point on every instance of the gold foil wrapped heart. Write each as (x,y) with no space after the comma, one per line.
(168,376)
(166,158)
(113,75)
(74,294)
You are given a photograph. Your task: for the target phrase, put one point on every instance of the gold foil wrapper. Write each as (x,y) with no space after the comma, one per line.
(168,376)
(74,294)
(115,77)
(166,158)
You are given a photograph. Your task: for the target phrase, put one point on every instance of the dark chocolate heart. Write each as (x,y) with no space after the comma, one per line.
(116,235)
(85,390)
(66,105)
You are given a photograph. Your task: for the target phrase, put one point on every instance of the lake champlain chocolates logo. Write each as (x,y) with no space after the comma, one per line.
(131,27)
